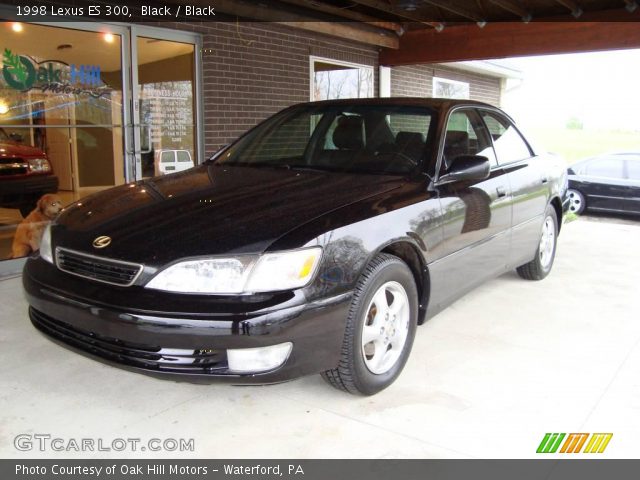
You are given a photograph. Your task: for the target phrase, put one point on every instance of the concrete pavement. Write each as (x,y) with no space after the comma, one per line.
(488,377)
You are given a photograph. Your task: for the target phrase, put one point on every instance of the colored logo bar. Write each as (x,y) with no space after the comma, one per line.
(597,442)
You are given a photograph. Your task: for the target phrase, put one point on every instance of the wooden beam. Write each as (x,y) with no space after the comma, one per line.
(347,30)
(508,39)
(348,14)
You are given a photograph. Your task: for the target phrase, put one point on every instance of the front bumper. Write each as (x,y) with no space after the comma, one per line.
(186,345)
(15,191)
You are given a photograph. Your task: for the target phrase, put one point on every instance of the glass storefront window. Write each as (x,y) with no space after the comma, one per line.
(61,103)
(74,80)
(167,114)
(62,128)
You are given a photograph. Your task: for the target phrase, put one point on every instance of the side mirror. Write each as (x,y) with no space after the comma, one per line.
(466,167)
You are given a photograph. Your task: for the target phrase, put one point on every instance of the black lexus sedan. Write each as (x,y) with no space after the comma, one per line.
(606,183)
(316,243)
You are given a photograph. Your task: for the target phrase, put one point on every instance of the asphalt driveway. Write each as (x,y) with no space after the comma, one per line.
(488,377)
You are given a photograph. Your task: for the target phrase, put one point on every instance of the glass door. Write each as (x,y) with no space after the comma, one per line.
(61,116)
(164,138)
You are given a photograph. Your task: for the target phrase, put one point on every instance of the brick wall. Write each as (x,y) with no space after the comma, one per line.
(252,70)
(417,81)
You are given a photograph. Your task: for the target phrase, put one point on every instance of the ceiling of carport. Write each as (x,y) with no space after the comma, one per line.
(420,31)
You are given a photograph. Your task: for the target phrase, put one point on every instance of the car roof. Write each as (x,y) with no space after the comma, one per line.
(602,156)
(436,103)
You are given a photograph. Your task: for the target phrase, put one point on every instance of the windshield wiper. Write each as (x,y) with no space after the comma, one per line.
(309,168)
(283,166)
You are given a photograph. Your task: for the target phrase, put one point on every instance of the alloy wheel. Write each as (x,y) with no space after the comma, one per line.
(576,201)
(547,242)
(385,328)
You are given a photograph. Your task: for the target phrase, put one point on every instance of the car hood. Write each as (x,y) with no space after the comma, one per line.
(16,150)
(208,210)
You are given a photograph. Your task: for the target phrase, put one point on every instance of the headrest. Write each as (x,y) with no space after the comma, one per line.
(409,138)
(348,133)
(457,138)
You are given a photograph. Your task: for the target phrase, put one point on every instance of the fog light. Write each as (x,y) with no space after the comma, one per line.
(255,360)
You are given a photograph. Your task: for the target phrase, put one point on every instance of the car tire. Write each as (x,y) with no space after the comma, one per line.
(541,265)
(367,368)
(577,202)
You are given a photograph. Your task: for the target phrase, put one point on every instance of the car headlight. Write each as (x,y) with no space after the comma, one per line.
(284,270)
(269,272)
(39,165)
(45,245)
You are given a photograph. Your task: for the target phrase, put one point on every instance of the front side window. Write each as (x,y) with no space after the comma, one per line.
(366,138)
(466,135)
(509,145)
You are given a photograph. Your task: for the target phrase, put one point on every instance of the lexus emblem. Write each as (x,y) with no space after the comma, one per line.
(102,242)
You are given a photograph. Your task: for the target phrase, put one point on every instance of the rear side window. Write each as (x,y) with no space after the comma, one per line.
(633,168)
(183,156)
(167,157)
(607,167)
(509,145)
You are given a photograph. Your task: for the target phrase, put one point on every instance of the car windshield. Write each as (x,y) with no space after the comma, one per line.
(378,139)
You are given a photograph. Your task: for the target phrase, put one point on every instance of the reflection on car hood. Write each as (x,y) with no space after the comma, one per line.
(208,210)
(16,150)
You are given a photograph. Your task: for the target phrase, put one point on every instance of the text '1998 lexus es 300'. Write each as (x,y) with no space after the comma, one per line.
(315,243)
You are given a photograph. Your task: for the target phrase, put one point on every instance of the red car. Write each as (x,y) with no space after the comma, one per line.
(25,174)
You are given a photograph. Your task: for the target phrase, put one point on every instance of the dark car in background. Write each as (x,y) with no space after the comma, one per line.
(315,243)
(606,183)
(25,174)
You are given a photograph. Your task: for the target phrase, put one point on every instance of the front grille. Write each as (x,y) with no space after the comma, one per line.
(148,357)
(13,166)
(106,270)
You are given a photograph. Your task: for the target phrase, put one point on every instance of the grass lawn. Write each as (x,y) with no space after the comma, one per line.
(574,145)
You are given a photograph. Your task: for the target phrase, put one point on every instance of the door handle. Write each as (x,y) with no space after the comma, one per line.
(545,179)
(501,191)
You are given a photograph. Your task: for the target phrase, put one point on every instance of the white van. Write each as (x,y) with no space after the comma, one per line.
(171,161)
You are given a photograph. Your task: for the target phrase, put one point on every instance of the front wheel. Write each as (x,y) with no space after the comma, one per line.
(380,328)
(540,266)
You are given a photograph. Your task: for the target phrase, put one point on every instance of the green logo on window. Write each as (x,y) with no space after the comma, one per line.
(18,71)
(23,73)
